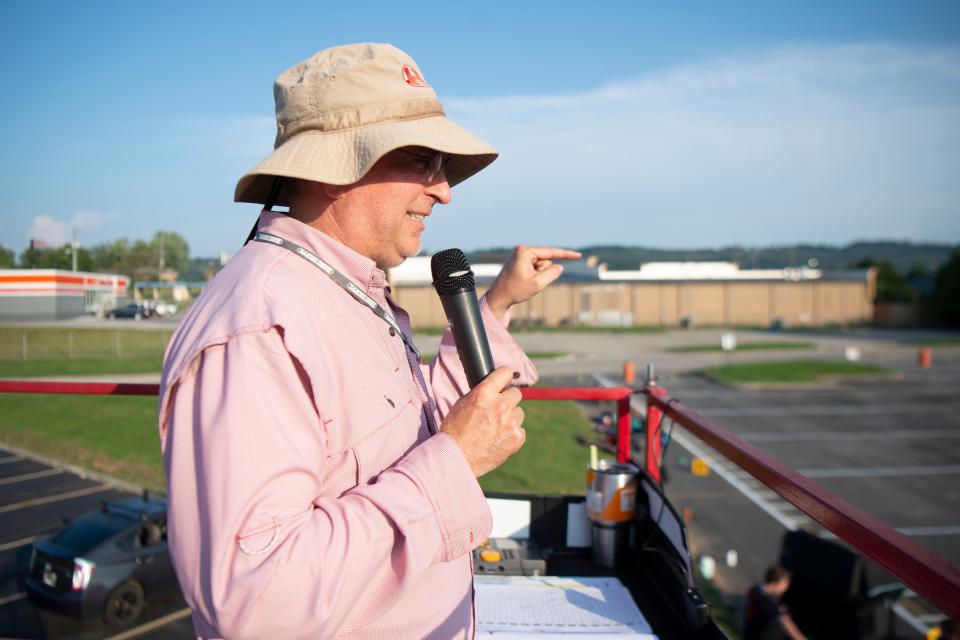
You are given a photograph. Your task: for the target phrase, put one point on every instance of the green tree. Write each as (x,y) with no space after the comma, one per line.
(111,256)
(6,258)
(174,249)
(947,296)
(891,286)
(59,258)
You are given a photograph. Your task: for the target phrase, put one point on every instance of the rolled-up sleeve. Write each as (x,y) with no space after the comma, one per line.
(261,547)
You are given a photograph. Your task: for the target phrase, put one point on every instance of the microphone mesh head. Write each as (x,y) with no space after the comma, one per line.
(451,272)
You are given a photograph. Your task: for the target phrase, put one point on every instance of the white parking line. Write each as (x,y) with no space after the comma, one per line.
(12,598)
(150,626)
(907,616)
(54,498)
(830,410)
(14,458)
(882,472)
(945,530)
(819,436)
(13,544)
(30,476)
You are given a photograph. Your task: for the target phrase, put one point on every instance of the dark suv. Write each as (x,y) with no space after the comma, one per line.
(105,563)
(133,310)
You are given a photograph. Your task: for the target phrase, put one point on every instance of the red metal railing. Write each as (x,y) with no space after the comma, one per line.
(931,576)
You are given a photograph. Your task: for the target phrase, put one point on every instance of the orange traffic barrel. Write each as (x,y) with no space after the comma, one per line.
(925,357)
(629,375)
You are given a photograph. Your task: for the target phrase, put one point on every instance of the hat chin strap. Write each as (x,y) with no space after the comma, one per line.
(267,205)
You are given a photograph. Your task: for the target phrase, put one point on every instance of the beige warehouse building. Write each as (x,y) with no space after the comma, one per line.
(666,294)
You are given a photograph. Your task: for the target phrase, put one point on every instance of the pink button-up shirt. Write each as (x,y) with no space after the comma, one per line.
(309,495)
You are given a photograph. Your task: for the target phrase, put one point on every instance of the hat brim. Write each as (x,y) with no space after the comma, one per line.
(343,157)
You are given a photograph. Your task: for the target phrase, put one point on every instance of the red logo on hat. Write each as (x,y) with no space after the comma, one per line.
(412,77)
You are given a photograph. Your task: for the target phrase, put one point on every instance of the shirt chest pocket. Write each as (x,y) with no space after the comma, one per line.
(382,448)
(371,435)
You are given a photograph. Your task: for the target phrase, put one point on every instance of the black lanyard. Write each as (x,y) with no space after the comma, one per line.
(345,283)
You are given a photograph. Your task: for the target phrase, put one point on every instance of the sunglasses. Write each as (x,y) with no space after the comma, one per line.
(428,163)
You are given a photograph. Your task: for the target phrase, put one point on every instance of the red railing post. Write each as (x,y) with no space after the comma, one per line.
(654,453)
(624,429)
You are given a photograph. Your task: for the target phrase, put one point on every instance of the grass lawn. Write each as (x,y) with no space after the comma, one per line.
(26,344)
(935,342)
(551,460)
(79,366)
(744,346)
(791,371)
(117,436)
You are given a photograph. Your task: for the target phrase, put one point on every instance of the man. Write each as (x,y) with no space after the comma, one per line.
(764,617)
(321,479)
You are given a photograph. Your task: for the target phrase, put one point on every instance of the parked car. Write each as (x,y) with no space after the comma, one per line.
(164,309)
(133,310)
(107,563)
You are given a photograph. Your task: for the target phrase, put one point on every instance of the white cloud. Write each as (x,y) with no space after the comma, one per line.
(56,233)
(821,143)
(52,232)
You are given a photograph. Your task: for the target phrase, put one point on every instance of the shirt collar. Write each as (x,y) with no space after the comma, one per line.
(359,268)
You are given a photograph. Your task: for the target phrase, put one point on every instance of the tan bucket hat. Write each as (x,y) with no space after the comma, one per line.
(345,108)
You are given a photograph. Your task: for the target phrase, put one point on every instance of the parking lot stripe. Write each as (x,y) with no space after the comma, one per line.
(881,472)
(13,544)
(30,476)
(12,598)
(150,626)
(97,488)
(817,436)
(946,530)
(830,410)
(13,458)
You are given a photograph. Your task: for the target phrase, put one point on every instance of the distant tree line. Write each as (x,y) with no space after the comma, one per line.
(906,272)
(139,260)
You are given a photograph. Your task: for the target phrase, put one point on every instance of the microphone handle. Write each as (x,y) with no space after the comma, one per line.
(463,312)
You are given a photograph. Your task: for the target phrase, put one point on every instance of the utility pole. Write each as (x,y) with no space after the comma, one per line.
(160,263)
(73,248)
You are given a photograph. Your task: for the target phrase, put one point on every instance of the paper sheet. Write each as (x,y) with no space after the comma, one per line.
(527,607)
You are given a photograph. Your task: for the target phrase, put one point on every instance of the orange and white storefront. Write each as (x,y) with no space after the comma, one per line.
(55,294)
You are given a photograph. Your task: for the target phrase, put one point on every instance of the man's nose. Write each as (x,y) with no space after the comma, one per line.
(439,189)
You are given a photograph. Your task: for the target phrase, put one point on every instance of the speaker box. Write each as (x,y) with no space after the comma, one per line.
(823,563)
(824,591)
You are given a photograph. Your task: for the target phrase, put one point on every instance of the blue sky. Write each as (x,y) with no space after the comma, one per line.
(675,124)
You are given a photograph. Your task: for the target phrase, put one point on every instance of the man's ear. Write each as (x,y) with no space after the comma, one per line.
(334,191)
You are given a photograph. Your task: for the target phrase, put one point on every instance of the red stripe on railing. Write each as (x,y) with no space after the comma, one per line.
(926,573)
(575,393)
(81,388)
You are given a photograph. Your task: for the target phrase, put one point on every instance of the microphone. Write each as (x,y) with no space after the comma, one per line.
(453,280)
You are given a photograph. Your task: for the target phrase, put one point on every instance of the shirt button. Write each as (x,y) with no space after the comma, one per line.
(393,332)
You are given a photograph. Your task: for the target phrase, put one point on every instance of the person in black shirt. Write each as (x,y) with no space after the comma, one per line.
(764,618)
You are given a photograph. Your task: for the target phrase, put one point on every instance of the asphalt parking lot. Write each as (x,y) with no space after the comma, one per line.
(35,498)
(890,446)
